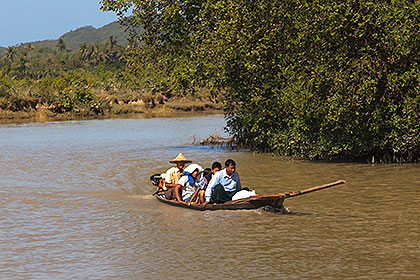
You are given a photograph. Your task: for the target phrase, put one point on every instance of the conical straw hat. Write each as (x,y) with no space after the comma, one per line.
(180,157)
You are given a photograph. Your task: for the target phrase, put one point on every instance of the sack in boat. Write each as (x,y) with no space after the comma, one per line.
(243,194)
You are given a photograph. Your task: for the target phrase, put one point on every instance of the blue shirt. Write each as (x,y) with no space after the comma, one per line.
(229,182)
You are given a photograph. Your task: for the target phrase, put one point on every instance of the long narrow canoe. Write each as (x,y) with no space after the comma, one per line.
(253,202)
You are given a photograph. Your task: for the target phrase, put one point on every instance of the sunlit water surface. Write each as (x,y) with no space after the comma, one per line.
(75,203)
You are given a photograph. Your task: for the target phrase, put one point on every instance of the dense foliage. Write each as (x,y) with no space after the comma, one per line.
(93,79)
(59,79)
(319,79)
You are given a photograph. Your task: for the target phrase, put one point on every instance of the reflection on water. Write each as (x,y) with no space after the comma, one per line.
(75,203)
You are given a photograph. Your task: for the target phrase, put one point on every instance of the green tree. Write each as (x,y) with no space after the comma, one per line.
(319,79)
(110,51)
(94,54)
(61,46)
(111,43)
(83,53)
(132,42)
(11,54)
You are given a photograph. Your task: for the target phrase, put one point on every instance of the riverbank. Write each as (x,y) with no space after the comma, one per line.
(114,107)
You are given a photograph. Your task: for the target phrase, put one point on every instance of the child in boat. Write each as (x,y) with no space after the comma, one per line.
(186,189)
(203,182)
(207,175)
(216,167)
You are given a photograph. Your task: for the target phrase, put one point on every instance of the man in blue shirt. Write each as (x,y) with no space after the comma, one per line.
(224,184)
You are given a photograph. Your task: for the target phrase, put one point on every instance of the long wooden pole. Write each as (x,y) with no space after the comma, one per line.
(313,189)
(293,193)
(309,190)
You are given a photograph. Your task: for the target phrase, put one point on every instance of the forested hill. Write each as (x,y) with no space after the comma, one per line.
(88,34)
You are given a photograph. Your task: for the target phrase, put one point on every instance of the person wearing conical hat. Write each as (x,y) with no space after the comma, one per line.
(173,174)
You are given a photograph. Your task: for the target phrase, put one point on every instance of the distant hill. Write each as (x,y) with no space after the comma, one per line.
(45,43)
(88,34)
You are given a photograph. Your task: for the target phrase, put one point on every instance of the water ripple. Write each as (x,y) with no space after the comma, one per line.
(75,203)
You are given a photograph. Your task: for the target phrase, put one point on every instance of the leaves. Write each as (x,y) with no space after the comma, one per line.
(318,79)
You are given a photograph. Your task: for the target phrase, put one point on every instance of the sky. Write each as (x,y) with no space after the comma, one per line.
(24,21)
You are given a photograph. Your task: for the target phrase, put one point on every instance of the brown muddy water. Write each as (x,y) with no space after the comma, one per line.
(75,203)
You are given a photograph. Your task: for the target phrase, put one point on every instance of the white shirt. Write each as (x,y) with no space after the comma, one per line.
(229,182)
(172,175)
(187,190)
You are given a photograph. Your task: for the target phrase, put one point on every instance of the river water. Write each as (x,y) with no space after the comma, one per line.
(75,203)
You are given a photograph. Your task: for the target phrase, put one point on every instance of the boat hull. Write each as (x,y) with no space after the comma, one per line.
(242,204)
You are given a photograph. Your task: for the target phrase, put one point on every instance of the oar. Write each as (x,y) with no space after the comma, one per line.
(157,191)
(292,193)
(305,191)
(313,189)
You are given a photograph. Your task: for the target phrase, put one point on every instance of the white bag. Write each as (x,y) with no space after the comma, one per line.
(243,194)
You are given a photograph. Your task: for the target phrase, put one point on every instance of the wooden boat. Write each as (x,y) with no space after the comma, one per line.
(254,202)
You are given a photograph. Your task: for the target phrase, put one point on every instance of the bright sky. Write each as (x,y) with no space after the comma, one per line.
(35,20)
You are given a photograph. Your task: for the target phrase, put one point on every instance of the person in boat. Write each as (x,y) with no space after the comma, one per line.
(224,184)
(186,189)
(216,167)
(203,182)
(208,173)
(173,175)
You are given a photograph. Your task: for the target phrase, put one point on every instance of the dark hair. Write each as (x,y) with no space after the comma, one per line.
(207,174)
(230,162)
(216,164)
